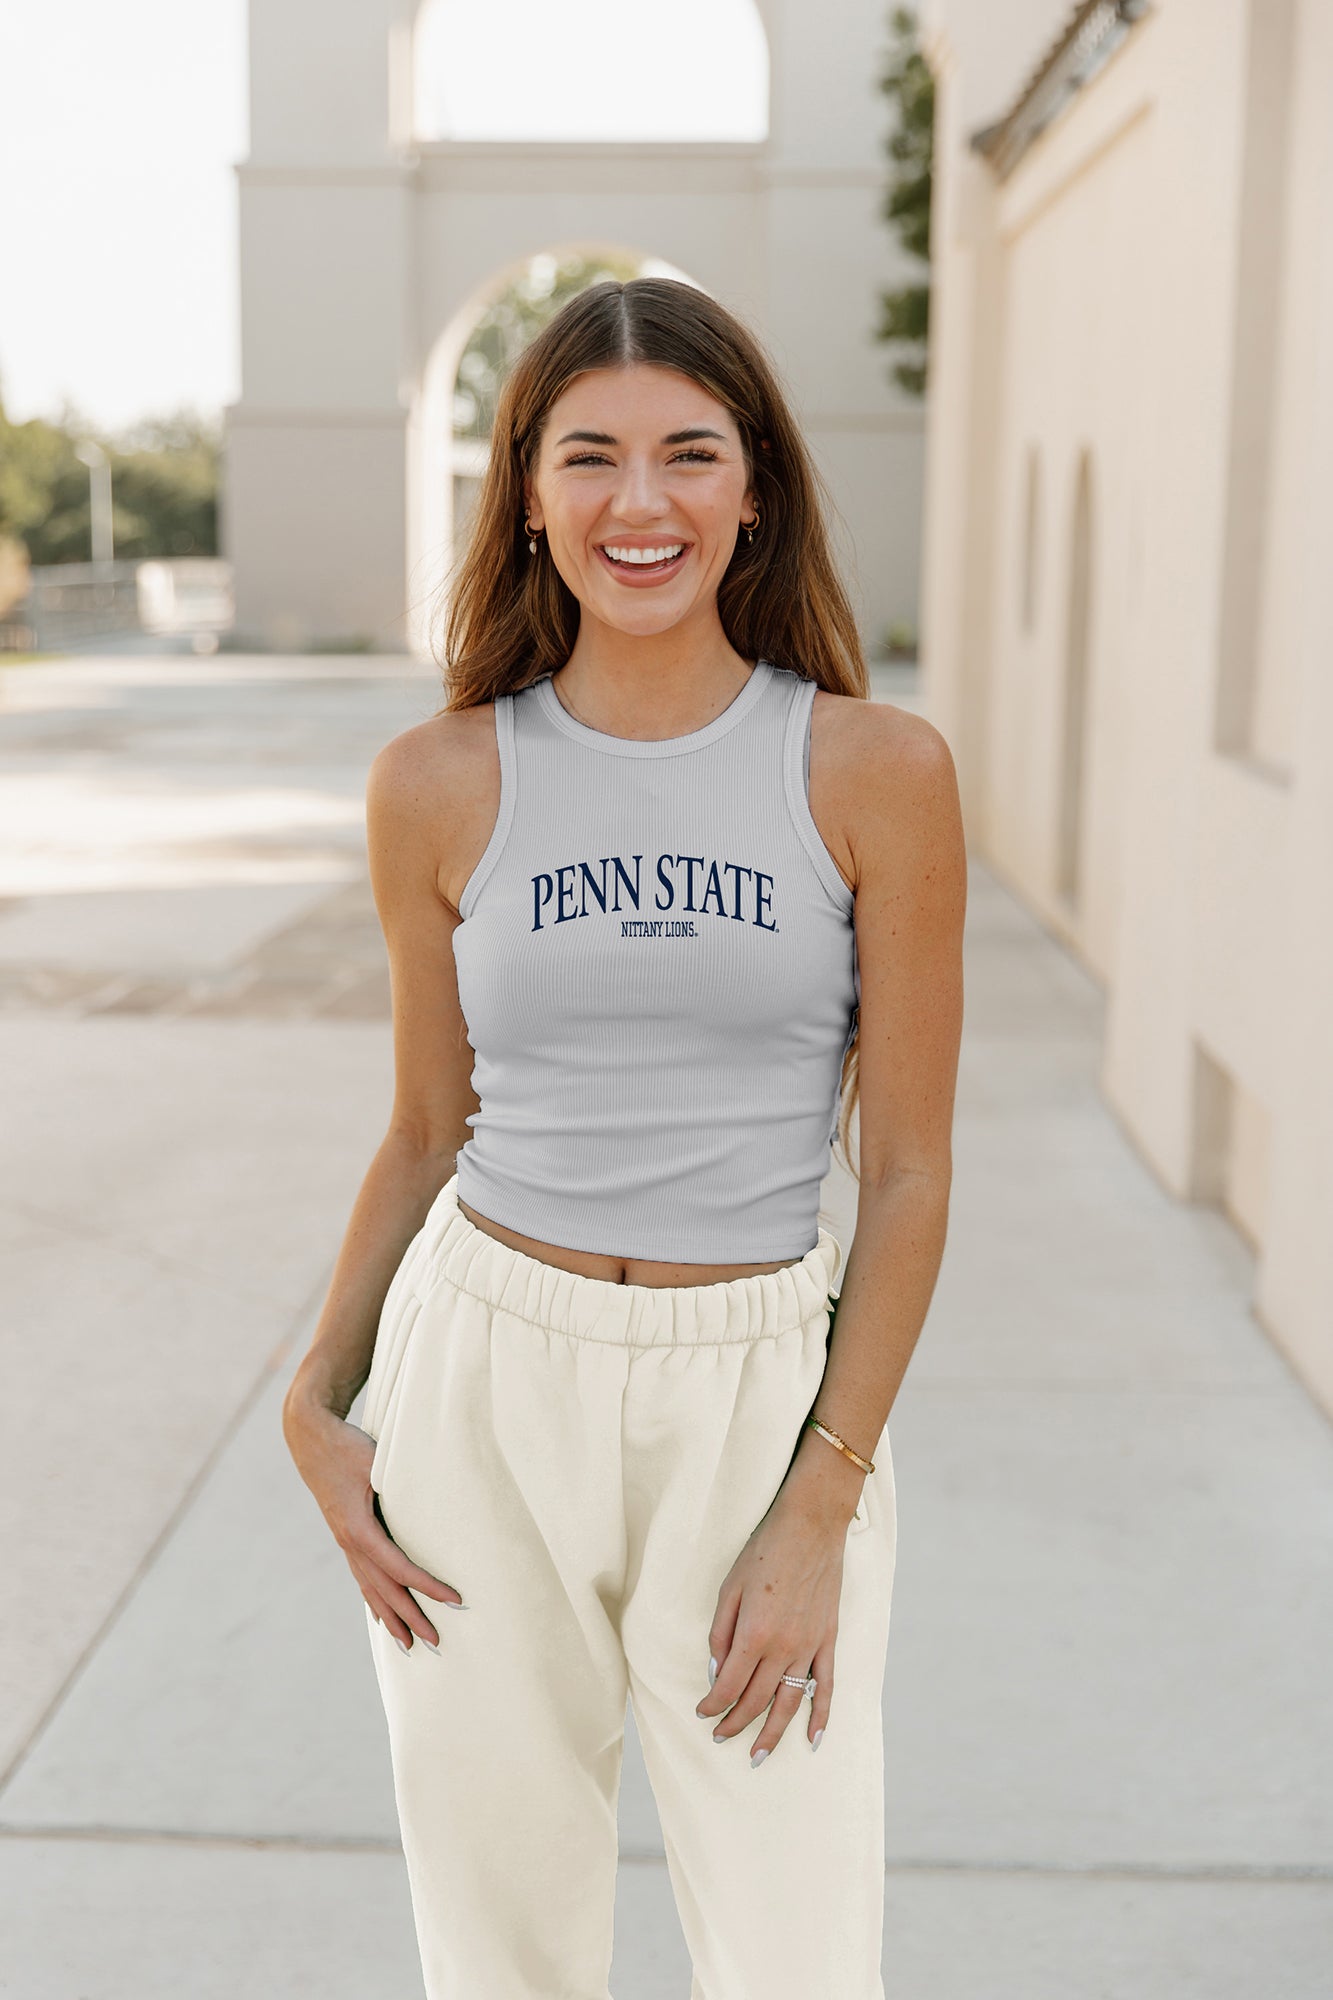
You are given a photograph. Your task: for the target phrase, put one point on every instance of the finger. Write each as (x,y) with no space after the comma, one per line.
(400,1613)
(379,1611)
(391,1556)
(377,1548)
(742,1655)
(759,1689)
(786,1701)
(400,1600)
(722,1634)
(386,1554)
(822,1669)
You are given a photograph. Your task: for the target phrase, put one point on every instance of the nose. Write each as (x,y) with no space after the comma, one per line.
(640,492)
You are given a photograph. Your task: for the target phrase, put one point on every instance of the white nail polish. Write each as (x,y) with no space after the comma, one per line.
(757,1759)
(400,1644)
(712,1670)
(816,1739)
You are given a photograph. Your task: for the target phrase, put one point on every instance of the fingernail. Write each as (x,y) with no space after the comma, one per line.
(712,1670)
(717,1738)
(451,1604)
(432,1644)
(816,1739)
(402,1647)
(757,1759)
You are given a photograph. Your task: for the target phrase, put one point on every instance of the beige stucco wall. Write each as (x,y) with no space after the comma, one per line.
(1147,291)
(367,256)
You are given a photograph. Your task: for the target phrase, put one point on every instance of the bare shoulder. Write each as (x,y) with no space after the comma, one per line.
(888,776)
(445,752)
(434,788)
(877,742)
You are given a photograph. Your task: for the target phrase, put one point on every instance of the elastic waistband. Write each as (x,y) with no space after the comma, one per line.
(733,1309)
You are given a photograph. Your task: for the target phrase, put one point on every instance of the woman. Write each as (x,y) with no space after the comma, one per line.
(656,884)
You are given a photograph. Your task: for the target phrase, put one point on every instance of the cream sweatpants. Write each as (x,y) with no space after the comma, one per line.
(583,1461)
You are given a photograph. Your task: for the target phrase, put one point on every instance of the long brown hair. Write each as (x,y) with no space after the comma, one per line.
(511,617)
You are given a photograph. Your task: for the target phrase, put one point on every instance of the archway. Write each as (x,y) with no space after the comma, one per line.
(1078,628)
(1031,540)
(369,250)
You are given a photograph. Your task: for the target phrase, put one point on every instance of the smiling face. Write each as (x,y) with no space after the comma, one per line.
(640,461)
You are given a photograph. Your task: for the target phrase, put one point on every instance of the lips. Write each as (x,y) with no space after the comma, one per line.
(641,573)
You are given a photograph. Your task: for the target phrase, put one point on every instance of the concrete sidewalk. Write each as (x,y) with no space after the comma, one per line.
(1110,1771)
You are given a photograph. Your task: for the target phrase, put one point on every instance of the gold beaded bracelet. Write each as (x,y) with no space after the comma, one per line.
(866,1464)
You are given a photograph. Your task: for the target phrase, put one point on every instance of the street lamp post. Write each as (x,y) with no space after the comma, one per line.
(99,497)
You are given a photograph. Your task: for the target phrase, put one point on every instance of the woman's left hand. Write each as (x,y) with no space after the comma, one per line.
(777,1613)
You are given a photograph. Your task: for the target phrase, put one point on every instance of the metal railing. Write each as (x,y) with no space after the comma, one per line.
(72,601)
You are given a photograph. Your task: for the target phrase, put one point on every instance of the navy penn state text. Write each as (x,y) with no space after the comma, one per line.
(723,888)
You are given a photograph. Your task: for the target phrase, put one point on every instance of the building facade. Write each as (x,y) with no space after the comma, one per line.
(368,253)
(1127,598)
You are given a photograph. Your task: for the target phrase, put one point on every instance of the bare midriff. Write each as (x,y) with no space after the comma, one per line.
(618,1270)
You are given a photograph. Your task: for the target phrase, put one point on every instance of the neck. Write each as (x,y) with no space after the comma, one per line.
(650,688)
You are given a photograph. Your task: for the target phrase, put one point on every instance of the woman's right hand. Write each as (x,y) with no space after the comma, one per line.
(334,1458)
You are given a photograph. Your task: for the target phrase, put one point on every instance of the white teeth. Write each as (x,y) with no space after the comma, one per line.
(644,555)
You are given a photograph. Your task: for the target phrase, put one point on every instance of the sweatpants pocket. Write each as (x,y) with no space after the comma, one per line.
(389,1388)
(398,1317)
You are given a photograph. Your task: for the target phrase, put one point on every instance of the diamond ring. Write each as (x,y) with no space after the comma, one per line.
(806,1684)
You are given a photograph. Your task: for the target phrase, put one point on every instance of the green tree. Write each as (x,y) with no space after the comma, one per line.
(43,487)
(907,81)
(164,485)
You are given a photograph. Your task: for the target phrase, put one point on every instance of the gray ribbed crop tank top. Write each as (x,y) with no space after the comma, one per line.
(657,967)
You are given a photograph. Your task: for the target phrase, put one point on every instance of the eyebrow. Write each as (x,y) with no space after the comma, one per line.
(673,437)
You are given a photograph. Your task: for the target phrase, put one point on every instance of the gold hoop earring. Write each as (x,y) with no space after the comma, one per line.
(749,527)
(531,531)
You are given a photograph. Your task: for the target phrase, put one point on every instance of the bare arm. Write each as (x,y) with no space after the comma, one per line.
(432,1068)
(777,1608)
(911,897)
(424,799)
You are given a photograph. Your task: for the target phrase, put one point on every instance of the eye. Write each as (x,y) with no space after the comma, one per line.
(596,457)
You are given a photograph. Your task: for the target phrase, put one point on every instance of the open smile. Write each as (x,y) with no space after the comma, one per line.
(629,565)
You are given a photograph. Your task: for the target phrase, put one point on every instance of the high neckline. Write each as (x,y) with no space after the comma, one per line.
(663,746)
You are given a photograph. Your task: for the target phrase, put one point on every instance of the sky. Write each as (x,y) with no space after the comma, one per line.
(123,124)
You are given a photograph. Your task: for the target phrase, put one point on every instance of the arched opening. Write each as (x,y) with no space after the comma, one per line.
(1252,696)
(590,70)
(1078,629)
(1031,534)
(450,425)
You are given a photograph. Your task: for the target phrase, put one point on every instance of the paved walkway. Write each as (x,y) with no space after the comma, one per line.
(1110,1771)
